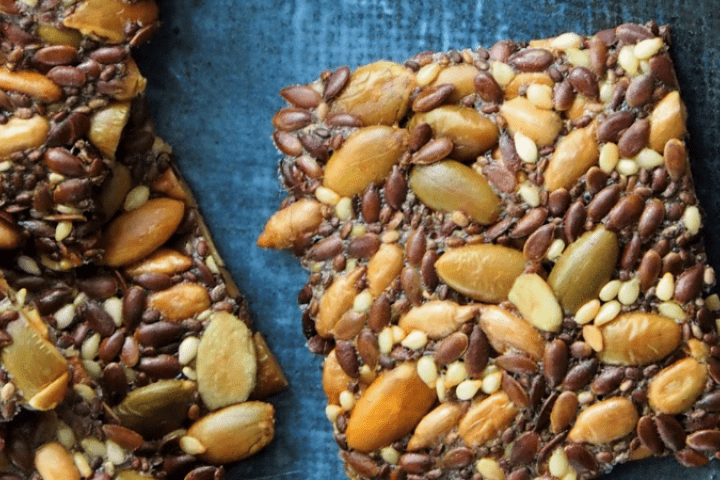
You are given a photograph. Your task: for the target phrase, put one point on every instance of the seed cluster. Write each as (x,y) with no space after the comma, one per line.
(127,351)
(506,272)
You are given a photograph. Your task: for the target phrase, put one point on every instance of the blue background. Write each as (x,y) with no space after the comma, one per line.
(214,74)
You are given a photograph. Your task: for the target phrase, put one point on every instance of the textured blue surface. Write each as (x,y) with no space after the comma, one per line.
(214,72)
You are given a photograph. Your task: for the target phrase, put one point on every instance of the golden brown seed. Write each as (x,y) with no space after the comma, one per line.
(366,157)
(437,318)
(676,387)
(337,300)
(163,260)
(564,411)
(435,425)
(113,194)
(667,121)
(334,379)
(604,421)
(484,272)
(30,83)
(10,236)
(542,126)
(526,79)
(106,127)
(639,339)
(108,18)
(389,409)
(573,156)
(162,405)
(486,419)
(19,134)
(54,462)
(675,158)
(506,331)
(461,76)
(384,267)
(288,224)
(536,302)
(181,301)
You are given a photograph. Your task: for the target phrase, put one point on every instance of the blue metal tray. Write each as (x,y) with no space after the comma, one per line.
(214,74)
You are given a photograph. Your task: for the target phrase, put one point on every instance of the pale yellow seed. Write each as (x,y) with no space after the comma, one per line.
(530,194)
(212,265)
(398,334)
(459,218)
(84,391)
(566,40)
(585,398)
(82,465)
(192,446)
(136,197)
(115,453)
(644,66)
(332,412)
(629,292)
(558,464)
(593,337)
(490,469)
(362,301)
(709,276)
(627,167)
(610,290)
(67,209)
(6,165)
(540,96)
(347,400)
(64,316)
(7,391)
(665,287)
(672,310)
(92,368)
(343,209)
(89,348)
(55,178)
(109,468)
(557,247)
(63,230)
(385,340)
(526,148)
(577,57)
(692,219)
(570,475)
(441,390)
(391,236)
(327,196)
(415,340)
(204,315)
(467,389)
(322,110)
(645,49)
(28,265)
(367,374)
(491,383)
(606,92)
(427,74)
(607,312)
(502,73)
(649,158)
(713,302)
(79,299)
(587,312)
(456,373)
(609,156)
(390,455)
(187,351)
(427,370)
(93,447)
(65,435)
(20,297)
(189,373)
(113,307)
(628,61)
(357,230)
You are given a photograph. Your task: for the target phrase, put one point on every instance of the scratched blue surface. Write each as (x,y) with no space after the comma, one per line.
(214,72)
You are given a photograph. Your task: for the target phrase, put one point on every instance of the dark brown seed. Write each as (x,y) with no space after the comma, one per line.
(555,362)
(370,205)
(101,287)
(487,87)
(580,459)
(580,350)
(415,462)
(154,281)
(301,96)
(691,458)
(287,143)
(688,285)
(115,380)
(537,390)
(19,453)
(68,131)
(289,119)
(626,212)
(499,228)
(611,128)
(67,76)
(342,119)
(672,263)
(367,345)
(319,345)
(395,189)
(361,463)
(509,154)
(662,68)
(364,246)
(451,348)
(714,369)
(634,139)
(336,82)
(72,191)
(563,96)
(598,57)
(584,81)
(501,50)
(427,270)
(109,55)
(412,285)
(56,55)
(347,357)
(529,222)
(159,334)
(608,380)
(457,458)
(710,402)
(704,440)
(558,202)
(574,221)
(500,177)
(519,474)
(317,149)
(671,432)
(640,91)
(349,325)
(675,156)
(99,320)
(433,151)
(531,59)
(50,301)
(432,97)
(544,415)
(415,246)
(133,307)
(580,375)
(524,448)
(379,316)
(130,353)
(200,473)
(651,218)
(631,33)
(160,367)
(595,179)
(111,346)
(325,249)
(631,253)
(516,363)
(515,391)
(478,352)
(539,242)
(648,434)
(419,136)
